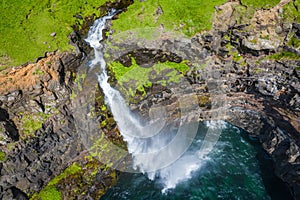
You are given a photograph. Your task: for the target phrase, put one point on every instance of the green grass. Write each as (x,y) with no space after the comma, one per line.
(284,56)
(50,192)
(233,52)
(135,79)
(243,14)
(295,42)
(120,70)
(33,122)
(2,156)
(26,25)
(290,12)
(74,168)
(135,76)
(258,4)
(188,17)
(181,67)
(38,72)
(80,177)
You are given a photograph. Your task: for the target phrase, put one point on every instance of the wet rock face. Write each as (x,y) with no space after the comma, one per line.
(264,103)
(35,127)
(229,72)
(14,193)
(38,133)
(9,132)
(147,57)
(258,93)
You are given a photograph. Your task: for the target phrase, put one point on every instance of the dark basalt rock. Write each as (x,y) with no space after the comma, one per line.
(9,131)
(31,163)
(147,57)
(14,194)
(262,98)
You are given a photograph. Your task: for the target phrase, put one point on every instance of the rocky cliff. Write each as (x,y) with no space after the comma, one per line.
(245,71)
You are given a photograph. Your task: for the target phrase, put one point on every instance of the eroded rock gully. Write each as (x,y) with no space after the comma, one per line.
(38,133)
(238,82)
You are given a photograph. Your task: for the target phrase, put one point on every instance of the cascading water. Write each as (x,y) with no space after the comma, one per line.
(173,156)
(156,149)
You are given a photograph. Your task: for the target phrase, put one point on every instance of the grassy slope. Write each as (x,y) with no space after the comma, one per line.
(258,4)
(26,25)
(189,17)
(291,14)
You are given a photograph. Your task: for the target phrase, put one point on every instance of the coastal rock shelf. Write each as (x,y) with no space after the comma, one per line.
(245,71)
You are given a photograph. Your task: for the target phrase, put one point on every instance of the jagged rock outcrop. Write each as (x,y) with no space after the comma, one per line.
(246,86)
(230,74)
(43,96)
(41,139)
(38,136)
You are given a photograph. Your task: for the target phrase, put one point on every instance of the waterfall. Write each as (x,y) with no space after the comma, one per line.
(159,151)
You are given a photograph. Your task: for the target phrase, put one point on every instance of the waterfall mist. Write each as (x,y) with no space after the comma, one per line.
(158,149)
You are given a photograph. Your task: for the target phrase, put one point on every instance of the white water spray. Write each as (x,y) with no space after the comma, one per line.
(156,150)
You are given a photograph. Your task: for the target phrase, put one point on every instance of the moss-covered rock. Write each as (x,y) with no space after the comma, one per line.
(31,122)
(291,11)
(2,156)
(284,56)
(75,182)
(258,4)
(134,81)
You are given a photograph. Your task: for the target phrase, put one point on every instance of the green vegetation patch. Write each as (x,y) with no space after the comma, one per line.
(243,14)
(107,151)
(2,156)
(295,42)
(74,168)
(79,80)
(33,122)
(131,78)
(27,27)
(181,67)
(234,53)
(188,17)
(50,192)
(121,72)
(257,4)
(79,177)
(135,80)
(284,56)
(290,11)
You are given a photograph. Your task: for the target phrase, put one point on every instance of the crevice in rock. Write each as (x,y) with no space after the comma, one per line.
(148,57)
(18,194)
(10,128)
